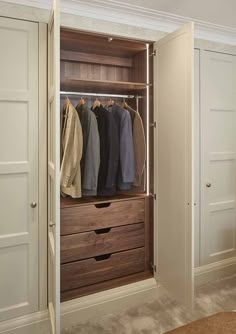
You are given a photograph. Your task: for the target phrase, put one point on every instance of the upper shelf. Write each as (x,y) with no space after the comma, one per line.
(101,86)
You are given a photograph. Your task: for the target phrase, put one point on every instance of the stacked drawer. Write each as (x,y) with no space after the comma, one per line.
(101,242)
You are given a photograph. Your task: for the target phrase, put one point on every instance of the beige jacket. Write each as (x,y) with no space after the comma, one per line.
(72,147)
(139,145)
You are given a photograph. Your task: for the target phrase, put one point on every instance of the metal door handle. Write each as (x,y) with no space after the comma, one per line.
(33,205)
(51,224)
(208,185)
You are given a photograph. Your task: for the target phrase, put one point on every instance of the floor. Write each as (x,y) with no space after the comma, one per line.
(164,314)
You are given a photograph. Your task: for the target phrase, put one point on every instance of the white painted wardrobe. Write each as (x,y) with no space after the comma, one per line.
(194,141)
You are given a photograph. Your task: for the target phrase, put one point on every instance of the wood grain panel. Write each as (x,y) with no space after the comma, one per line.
(89,244)
(86,57)
(114,283)
(92,217)
(86,272)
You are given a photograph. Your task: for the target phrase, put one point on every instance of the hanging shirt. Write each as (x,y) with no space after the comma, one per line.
(109,151)
(90,161)
(126,170)
(72,146)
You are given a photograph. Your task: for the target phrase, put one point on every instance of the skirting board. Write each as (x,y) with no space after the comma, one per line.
(214,271)
(35,323)
(114,300)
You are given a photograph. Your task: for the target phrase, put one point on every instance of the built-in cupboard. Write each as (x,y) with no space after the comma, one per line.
(101,247)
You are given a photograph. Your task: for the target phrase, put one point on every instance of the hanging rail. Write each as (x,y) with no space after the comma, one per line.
(99,94)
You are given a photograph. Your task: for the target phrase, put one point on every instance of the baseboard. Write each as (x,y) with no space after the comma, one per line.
(113,300)
(35,323)
(212,272)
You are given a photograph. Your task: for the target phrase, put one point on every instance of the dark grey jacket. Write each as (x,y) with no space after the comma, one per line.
(90,161)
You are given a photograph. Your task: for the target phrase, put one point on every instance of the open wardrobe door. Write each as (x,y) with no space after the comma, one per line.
(173,91)
(54,169)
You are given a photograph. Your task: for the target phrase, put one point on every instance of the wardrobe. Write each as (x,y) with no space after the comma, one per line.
(84,257)
(105,241)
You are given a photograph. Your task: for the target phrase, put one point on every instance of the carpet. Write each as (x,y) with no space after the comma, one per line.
(220,323)
(163,314)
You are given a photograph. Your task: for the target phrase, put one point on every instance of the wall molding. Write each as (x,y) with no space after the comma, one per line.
(37,323)
(119,12)
(213,271)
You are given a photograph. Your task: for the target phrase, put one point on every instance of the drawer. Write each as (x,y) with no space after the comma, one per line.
(102,268)
(89,244)
(92,217)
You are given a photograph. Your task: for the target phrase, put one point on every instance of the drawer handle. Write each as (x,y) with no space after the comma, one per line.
(102,205)
(102,257)
(103,230)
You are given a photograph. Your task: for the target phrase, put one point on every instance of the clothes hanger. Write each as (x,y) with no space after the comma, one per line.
(66,103)
(96,103)
(110,103)
(124,104)
(81,102)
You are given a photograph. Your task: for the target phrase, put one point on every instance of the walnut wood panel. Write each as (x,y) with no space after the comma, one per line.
(99,44)
(93,217)
(114,283)
(139,69)
(67,202)
(102,86)
(86,57)
(94,72)
(87,272)
(89,244)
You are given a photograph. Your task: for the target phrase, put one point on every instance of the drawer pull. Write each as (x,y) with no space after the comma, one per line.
(102,205)
(102,257)
(103,230)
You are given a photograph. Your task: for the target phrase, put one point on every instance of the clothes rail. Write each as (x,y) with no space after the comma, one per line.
(100,94)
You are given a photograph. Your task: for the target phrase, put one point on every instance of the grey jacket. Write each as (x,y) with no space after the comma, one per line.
(126,171)
(72,145)
(90,161)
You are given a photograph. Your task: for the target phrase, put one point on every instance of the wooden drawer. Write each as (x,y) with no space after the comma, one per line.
(92,217)
(102,268)
(89,244)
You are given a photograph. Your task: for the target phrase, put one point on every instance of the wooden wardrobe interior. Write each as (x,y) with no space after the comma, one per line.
(107,65)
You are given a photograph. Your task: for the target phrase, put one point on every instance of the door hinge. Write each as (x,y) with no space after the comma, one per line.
(154,267)
(154,53)
(154,196)
(154,124)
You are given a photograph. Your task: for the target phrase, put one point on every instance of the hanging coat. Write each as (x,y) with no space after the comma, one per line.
(90,161)
(126,170)
(72,145)
(139,145)
(109,151)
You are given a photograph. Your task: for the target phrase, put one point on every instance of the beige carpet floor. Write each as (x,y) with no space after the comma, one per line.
(164,314)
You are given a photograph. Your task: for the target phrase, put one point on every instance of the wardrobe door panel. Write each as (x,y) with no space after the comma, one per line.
(173,93)
(218,157)
(19,288)
(54,169)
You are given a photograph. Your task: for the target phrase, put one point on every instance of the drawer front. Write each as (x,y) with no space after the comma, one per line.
(89,244)
(100,269)
(97,216)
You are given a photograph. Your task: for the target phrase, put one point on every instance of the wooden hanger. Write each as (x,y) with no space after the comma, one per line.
(81,102)
(66,102)
(124,104)
(110,103)
(96,103)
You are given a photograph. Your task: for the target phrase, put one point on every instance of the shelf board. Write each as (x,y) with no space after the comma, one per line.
(69,202)
(101,86)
